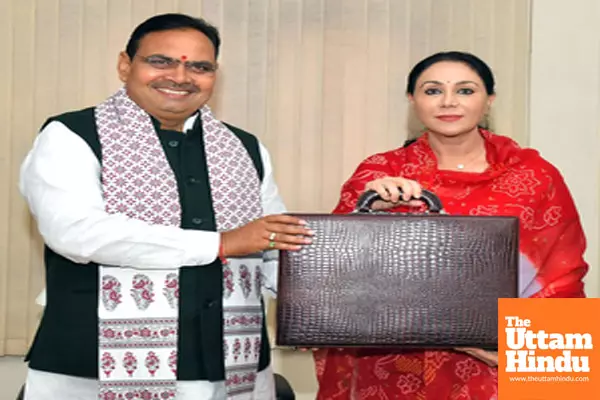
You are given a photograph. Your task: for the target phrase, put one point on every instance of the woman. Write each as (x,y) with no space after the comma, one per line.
(474,172)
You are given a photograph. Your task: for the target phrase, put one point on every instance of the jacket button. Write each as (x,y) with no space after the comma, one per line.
(210,303)
(173,143)
(197,221)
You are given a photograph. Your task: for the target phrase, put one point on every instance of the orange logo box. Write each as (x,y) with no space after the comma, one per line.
(549,349)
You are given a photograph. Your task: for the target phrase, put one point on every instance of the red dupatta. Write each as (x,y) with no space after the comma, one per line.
(518,182)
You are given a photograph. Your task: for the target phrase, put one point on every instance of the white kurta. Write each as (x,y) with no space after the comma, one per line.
(60,179)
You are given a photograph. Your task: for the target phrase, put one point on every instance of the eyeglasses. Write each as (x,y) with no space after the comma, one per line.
(167,63)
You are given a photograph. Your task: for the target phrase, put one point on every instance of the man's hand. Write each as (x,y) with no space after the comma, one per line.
(282,232)
(488,357)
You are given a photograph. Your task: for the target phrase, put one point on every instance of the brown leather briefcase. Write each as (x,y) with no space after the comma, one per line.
(375,279)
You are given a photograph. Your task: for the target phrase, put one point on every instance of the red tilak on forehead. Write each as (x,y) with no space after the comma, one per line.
(183,58)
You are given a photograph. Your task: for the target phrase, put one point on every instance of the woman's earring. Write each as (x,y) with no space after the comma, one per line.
(485,121)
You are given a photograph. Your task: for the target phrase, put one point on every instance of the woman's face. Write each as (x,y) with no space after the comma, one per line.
(450,99)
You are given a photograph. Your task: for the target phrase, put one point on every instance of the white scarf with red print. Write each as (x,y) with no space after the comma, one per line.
(138,307)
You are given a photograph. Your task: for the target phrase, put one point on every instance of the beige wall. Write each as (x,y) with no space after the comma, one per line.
(565,106)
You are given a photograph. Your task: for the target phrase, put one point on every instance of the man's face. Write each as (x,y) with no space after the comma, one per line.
(172,74)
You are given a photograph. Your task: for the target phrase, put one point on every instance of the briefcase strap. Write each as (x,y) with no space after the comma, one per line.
(366,200)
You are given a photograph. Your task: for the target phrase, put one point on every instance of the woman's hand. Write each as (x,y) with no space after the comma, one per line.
(488,357)
(388,190)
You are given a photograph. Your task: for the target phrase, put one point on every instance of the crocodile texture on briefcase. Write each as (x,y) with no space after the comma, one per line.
(397,280)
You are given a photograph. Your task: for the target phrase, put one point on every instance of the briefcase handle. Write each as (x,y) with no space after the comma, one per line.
(366,200)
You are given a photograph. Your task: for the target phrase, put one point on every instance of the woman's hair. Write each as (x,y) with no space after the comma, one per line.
(473,62)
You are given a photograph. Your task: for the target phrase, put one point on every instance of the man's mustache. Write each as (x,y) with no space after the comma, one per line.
(188,87)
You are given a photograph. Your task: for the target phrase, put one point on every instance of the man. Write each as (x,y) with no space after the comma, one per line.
(153,215)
